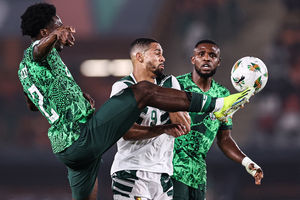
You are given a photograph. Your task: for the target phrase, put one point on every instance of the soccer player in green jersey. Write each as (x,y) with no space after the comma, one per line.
(190,150)
(78,135)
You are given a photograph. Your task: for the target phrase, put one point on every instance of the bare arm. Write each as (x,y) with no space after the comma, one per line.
(229,146)
(138,132)
(232,151)
(63,34)
(181,118)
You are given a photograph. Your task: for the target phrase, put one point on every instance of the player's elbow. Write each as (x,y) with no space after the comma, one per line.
(221,142)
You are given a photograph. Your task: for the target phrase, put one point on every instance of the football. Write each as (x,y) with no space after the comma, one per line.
(249,71)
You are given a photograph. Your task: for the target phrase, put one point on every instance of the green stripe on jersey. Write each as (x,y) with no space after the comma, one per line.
(122,187)
(166,184)
(164,117)
(123,182)
(128,175)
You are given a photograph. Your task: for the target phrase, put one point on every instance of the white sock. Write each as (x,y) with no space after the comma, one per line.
(219,104)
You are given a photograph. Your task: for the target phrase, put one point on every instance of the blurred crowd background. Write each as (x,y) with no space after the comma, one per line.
(267,130)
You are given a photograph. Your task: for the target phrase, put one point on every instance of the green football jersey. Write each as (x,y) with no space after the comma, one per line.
(190,150)
(51,87)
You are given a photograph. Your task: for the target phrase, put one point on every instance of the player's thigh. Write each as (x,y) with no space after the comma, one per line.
(102,130)
(113,120)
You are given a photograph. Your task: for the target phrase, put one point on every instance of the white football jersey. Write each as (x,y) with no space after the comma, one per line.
(154,154)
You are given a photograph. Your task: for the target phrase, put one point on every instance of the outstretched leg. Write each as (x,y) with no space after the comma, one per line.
(148,94)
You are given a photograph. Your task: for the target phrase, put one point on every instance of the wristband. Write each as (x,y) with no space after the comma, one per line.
(246,162)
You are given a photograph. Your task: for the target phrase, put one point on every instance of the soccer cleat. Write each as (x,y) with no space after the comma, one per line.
(233,102)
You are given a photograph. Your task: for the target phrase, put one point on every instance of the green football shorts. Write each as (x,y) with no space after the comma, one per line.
(185,192)
(102,130)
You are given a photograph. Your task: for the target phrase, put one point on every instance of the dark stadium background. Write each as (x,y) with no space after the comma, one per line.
(267,130)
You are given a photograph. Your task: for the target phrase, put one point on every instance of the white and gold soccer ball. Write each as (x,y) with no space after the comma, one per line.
(249,71)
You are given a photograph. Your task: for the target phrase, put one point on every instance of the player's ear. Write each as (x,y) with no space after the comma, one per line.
(219,62)
(193,60)
(44,32)
(139,57)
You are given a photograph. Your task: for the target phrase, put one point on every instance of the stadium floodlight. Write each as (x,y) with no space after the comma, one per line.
(120,67)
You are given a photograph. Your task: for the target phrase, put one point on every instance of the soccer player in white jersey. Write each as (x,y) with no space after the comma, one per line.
(143,164)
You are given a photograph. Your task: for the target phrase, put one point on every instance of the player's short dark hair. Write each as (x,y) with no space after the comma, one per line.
(37,17)
(206,42)
(141,42)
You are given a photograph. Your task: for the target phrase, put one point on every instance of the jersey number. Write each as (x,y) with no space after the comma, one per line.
(153,118)
(54,116)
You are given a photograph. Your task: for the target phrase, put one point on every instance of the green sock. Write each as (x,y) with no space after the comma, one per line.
(202,103)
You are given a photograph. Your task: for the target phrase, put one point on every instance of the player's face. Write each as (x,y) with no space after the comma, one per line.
(206,59)
(154,59)
(56,23)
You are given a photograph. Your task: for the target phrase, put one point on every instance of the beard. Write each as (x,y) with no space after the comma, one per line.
(206,75)
(158,73)
(159,76)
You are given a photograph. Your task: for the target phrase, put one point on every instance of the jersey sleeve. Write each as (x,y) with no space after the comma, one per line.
(226,125)
(117,87)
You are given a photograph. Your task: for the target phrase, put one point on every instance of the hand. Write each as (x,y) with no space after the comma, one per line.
(175,130)
(253,169)
(65,35)
(181,118)
(258,173)
(90,99)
